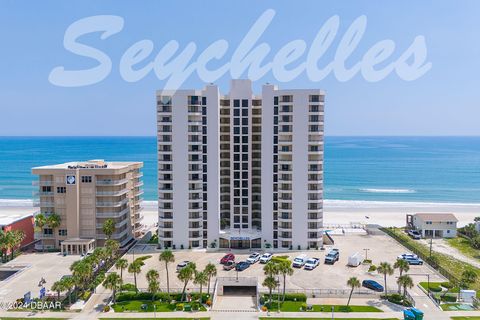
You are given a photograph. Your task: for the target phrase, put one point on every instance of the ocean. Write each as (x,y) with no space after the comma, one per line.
(394,169)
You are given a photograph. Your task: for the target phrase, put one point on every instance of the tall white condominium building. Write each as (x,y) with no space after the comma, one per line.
(240,170)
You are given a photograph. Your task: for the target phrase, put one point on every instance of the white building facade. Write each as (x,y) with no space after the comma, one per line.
(240,170)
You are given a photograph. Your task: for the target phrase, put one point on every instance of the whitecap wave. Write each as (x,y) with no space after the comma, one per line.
(375,190)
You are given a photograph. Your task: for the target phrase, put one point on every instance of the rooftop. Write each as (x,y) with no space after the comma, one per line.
(7,218)
(437,217)
(90,164)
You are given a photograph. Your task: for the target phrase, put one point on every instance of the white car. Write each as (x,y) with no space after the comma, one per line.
(266,257)
(182,265)
(311,263)
(299,261)
(407,256)
(254,257)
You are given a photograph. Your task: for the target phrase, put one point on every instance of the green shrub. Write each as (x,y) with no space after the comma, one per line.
(143,258)
(448,298)
(106,308)
(372,268)
(127,287)
(367,261)
(179,307)
(304,306)
(86,295)
(300,297)
(195,305)
(446,285)
(435,289)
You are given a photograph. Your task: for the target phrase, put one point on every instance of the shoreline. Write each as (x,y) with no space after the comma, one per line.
(336,212)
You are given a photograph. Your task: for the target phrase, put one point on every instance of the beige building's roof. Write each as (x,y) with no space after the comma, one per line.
(437,217)
(90,164)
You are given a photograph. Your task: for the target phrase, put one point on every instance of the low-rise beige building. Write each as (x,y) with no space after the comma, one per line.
(85,195)
(436,225)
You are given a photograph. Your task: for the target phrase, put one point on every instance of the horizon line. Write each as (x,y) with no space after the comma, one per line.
(154,136)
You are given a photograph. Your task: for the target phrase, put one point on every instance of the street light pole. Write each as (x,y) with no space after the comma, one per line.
(366,253)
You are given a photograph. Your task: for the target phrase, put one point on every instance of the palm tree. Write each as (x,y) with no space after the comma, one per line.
(353,283)
(285,269)
(112,282)
(112,247)
(68,283)
(82,272)
(152,279)
(386,269)
(54,221)
(271,269)
(108,227)
(271,283)
(405,282)
(121,264)
(40,222)
(185,275)
(58,286)
(210,271)
(201,278)
(402,266)
(3,244)
(135,267)
(167,257)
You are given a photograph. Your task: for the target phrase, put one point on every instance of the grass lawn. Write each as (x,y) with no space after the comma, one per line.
(466,318)
(462,245)
(295,306)
(150,318)
(271,318)
(14,318)
(456,267)
(136,306)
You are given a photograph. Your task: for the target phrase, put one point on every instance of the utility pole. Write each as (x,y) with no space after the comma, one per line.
(366,253)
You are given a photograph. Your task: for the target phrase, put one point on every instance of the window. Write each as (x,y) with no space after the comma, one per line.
(62,232)
(86,179)
(61,190)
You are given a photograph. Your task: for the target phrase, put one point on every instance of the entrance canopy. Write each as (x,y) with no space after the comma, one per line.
(240,239)
(77,246)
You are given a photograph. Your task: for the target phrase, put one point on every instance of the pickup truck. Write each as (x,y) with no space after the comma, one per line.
(299,261)
(311,263)
(332,256)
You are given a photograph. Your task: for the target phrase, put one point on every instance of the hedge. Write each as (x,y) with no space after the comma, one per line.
(288,297)
(132,295)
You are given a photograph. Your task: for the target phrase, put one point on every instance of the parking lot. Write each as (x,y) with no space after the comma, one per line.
(381,248)
(49,265)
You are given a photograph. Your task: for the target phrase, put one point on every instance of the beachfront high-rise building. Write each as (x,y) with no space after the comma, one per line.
(84,195)
(240,170)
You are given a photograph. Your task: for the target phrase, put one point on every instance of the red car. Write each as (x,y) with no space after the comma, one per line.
(227,257)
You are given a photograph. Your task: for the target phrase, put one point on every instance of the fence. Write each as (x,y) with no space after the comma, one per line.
(444,272)
(335,293)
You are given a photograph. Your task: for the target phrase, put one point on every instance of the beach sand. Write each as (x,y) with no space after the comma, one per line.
(336,212)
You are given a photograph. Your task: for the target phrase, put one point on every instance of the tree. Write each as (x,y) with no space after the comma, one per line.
(475,242)
(353,283)
(112,247)
(54,221)
(405,281)
(16,239)
(469,276)
(386,269)
(402,266)
(121,264)
(135,268)
(68,283)
(3,243)
(152,279)
(185,275)
(58,286)
(271,283)
(210,271)
(40,222)
(82,272)
(112,282)
(201,278)
(270,269)
(108,227)
(285,269)
(167,257)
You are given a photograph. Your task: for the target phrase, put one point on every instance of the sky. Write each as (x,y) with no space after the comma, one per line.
(443,101)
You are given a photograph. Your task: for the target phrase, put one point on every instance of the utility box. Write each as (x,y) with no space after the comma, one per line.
(418,313)
(408,315)
(355,259)
(467,295)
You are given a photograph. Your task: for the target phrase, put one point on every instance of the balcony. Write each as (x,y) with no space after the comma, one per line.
(39,235)
(112,214)
(101,204)
(44,204)
(117,225)
(42,183)
(111,193)
(110,182)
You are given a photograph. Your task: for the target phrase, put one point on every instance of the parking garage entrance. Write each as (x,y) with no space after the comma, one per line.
(240,243)
(240,291)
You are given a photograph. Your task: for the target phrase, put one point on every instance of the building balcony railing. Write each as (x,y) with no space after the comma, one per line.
(42,183)
(39,235)
(109,182)
(112,214)
(111,193)
(112,203)
(44,204)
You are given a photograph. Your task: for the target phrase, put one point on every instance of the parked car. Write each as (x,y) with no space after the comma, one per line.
(254,257)
(407,256)
(372,285)
(229,265)
(242,265)
(414,234)
(414,261)
(266,257)
(332,256)
(228,257)
(299,261)
(311,263)
(182,265)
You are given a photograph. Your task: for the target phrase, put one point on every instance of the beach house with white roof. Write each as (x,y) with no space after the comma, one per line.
(436,225)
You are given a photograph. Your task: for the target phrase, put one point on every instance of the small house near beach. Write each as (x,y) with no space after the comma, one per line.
(433,225)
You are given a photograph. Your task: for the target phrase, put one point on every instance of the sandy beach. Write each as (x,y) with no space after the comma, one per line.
(336,212)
